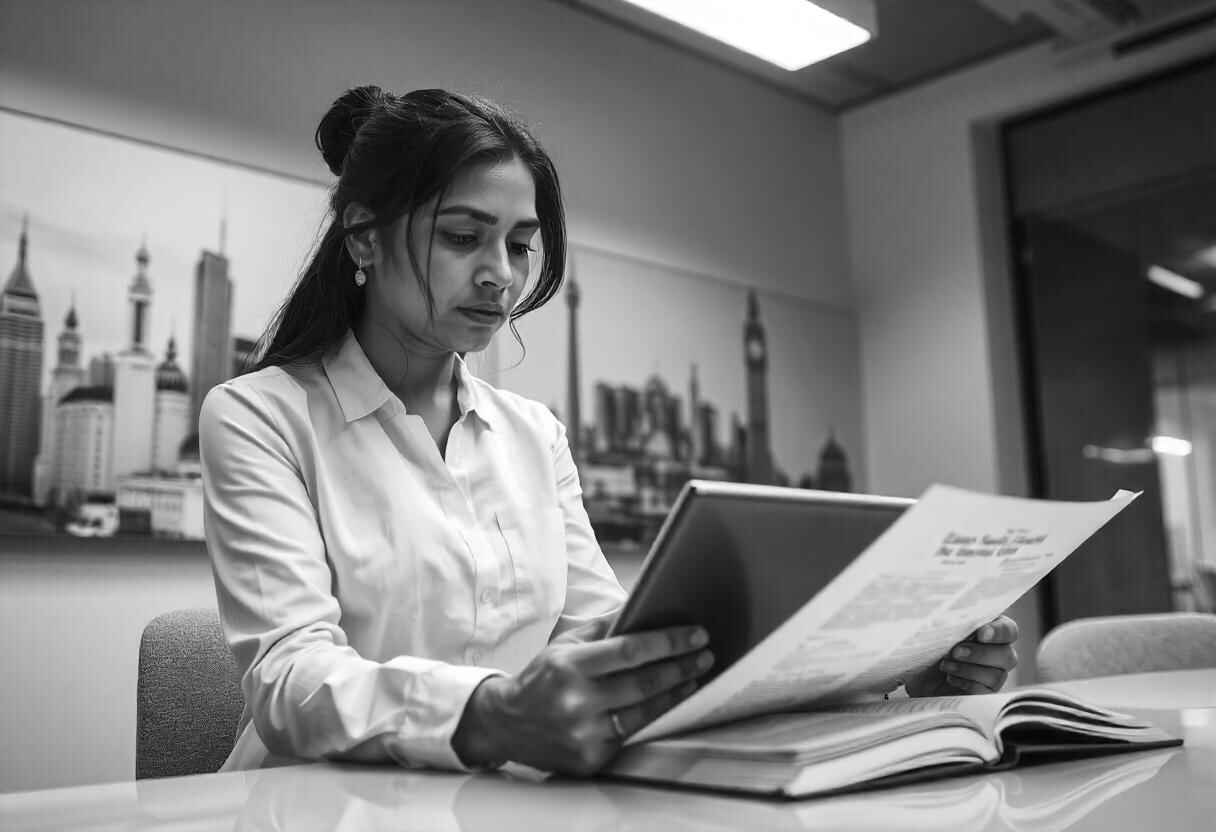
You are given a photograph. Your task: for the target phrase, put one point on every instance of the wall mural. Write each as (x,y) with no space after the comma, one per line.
(140,277)
(678,376)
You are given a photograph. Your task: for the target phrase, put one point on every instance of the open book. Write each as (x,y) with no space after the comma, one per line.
(1035,799)
(953,561)
(885,743)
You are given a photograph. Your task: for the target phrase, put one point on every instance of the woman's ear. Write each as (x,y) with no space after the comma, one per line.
(362,244)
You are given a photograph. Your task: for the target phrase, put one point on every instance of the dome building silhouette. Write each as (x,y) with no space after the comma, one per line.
(833,473)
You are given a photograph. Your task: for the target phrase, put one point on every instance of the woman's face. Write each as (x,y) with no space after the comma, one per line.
(481,247)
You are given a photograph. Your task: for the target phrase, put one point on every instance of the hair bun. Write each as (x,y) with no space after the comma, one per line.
(338,127)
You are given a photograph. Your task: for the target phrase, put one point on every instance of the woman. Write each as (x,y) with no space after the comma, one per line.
(403,564)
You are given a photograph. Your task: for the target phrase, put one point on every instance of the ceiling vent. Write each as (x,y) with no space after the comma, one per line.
(1072,20)
(1114,27)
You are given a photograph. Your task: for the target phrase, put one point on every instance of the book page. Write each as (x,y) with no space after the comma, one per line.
(952,562)
(806,735)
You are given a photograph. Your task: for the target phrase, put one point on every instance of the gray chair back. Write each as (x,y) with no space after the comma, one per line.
(1113,645)
(188,696)
(1205,587)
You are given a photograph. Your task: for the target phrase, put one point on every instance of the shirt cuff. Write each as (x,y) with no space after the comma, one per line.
(427,742)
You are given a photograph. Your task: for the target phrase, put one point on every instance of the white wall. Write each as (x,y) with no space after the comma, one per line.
(74,622)
(664,157)
(930,272)
(929,267)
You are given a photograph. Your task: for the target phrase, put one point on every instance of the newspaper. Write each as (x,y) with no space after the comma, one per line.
(953,561)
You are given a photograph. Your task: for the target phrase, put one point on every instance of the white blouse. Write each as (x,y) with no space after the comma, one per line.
(367,584)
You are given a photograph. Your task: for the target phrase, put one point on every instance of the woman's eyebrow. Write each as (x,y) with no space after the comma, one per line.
(485,217)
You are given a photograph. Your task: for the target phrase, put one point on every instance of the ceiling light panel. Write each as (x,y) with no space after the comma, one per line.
(1175,282)
(789,33)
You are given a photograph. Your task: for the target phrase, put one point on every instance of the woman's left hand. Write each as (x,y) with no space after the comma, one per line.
(978,664)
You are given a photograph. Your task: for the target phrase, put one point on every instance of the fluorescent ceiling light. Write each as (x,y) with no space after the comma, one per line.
(1118,456)
(1170,445)
(1175,282)
(1167,445)
(789,33)
(1207,257)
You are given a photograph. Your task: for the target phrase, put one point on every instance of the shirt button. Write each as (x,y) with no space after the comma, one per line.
(486,596)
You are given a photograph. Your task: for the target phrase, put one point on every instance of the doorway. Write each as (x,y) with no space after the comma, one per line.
(1112,202)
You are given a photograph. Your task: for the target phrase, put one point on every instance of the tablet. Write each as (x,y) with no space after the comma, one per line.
(740,559)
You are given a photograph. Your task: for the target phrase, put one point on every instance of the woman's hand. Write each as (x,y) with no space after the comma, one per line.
(978,664)
(570,709)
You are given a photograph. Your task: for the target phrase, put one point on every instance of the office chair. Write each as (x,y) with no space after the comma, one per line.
(1117,644)
(1205,587)
(188,696)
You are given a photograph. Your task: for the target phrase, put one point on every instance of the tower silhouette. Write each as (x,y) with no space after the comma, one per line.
(69,343)
(574,431)
(134,384)
(140,295)
(171,419)
(696,445)
(66,377)
(21,344)
(758,463)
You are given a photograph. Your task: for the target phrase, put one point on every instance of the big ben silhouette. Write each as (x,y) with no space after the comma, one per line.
(759,459)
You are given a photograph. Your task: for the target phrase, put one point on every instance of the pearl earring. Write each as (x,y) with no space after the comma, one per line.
(360,275)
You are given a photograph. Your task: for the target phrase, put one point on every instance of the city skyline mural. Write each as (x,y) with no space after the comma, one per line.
(672,375)
(138,277)
(135,279)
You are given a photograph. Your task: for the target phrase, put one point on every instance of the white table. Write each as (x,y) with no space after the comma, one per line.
(1162,791)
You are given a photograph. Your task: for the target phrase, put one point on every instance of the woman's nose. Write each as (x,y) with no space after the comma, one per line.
(496,270)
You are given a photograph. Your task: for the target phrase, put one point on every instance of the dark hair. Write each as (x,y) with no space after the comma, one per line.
(392,154)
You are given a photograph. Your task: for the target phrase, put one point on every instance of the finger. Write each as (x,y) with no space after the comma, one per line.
(591,631)
(630,687)
(635,717)
(596,630)
(619,653)
(990,678)
(968,685)
(1003,656)
(1000,630)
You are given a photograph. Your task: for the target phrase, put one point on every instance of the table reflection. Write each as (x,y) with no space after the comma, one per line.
(360,798)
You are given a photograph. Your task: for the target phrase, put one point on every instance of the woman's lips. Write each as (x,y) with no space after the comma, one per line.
(481,316)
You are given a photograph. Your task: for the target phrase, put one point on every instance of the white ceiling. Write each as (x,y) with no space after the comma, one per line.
(918,40)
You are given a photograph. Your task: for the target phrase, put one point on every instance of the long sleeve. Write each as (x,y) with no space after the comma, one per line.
(593,593)
(308,692)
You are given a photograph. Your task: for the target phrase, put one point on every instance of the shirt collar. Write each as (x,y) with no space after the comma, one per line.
(468,398)
(358,386)
(361,391)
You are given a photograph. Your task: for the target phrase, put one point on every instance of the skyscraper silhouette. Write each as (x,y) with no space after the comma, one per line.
(212,338)
(21,344)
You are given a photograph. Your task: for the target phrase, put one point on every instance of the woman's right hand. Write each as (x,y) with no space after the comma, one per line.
(570,709)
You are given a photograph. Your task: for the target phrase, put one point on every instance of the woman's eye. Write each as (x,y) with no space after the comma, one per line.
(520,249)
(461,240)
